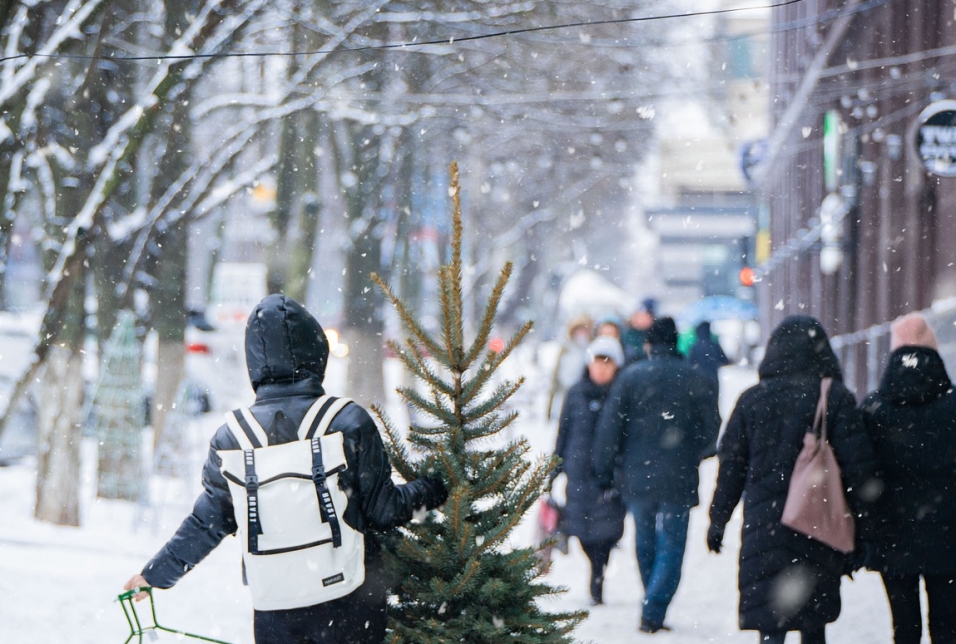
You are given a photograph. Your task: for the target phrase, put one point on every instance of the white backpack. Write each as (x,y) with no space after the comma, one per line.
(297,548)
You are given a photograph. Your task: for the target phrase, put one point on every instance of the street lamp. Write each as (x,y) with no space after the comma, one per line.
(832,211)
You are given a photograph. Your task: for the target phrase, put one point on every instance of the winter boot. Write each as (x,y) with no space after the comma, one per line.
(597,590)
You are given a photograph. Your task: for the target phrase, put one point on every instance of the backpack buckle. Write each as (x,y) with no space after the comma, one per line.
(318,474)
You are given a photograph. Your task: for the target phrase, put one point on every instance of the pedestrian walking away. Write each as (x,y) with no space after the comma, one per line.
(659,421)
(592,514)
(286,356)
(635,332)
(706,355)
(911,419)
(788,581)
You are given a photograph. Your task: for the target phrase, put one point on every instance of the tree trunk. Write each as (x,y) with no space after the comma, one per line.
(170,370)
(169,319)
(303,248)
(58,438)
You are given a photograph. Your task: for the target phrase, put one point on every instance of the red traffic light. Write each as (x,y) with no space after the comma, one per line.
(746,276)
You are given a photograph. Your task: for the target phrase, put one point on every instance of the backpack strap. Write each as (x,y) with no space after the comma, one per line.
(250,435)
(246,429)
(317,419)
(313,427)
(326,507)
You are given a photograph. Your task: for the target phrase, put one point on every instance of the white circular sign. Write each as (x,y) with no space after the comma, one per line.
(936,138)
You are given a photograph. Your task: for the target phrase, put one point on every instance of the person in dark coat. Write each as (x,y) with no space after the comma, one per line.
(635,333)
(911,419)
(706,355)
(591,514)
(286,356)
(660,420)
(787,581)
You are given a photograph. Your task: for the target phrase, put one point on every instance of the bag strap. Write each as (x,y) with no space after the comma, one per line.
(317,420)
(820,416)
(313,427)
(246,434)
(246,429)
(254,527)
(250,435)
(326,507)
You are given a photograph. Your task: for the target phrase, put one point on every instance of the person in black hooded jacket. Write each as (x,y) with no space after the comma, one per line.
(286,356)
(787,581)
(911,419)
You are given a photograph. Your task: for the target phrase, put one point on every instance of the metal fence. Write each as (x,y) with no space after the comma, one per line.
(863,354)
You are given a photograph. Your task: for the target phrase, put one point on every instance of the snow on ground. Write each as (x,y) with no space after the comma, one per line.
(58,584)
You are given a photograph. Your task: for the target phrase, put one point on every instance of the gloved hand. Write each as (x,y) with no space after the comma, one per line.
(715,537)
(861,556)
(609,495)
(435,492)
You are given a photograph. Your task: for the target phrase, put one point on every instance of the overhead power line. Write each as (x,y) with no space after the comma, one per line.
(450,40)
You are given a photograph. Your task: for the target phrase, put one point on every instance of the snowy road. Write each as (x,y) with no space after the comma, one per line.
(57,585)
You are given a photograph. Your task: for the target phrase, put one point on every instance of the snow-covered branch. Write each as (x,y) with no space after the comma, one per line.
(70,28)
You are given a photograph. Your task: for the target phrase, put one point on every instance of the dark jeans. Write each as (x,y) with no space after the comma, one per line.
(661,539)
(357,618)
(903,593)
(806,637)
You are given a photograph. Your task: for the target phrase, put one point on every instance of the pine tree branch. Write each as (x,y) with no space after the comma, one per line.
(410,324)
(499,396)
(491,311)
(500,470)
(429,407)
(488,427)
(417,364)
(447,321)
(395,447)
(434,407)
(465,540)
(466,576)
(501,356)
(458,336)
(491,363)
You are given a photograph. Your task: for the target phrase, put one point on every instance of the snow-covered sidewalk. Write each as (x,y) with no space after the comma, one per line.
(59,584)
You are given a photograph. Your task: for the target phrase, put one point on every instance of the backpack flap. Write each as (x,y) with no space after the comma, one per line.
(285,505)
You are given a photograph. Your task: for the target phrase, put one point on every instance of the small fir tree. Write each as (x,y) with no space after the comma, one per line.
(457,578)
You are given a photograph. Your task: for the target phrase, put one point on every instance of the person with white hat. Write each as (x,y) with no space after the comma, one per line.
(591,514)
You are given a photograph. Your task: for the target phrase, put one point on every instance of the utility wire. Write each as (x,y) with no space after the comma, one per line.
(403,45)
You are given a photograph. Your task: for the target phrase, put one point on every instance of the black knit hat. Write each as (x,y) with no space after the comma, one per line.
(663,331)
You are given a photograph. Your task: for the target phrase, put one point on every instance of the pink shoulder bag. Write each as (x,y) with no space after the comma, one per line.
(816,502)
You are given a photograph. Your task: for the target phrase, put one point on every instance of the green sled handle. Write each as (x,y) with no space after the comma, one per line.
(138,628)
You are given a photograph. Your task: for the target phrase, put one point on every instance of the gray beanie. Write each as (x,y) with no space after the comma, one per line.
(604,346)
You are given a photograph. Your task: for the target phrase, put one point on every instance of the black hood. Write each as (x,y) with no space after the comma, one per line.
(284,343)
(799,346)
(914,376)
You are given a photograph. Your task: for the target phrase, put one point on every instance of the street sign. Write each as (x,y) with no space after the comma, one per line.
(936,138)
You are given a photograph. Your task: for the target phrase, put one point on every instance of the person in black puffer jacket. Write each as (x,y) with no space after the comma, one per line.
(787,581)
(911,419)
(593,515)
(286,356)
